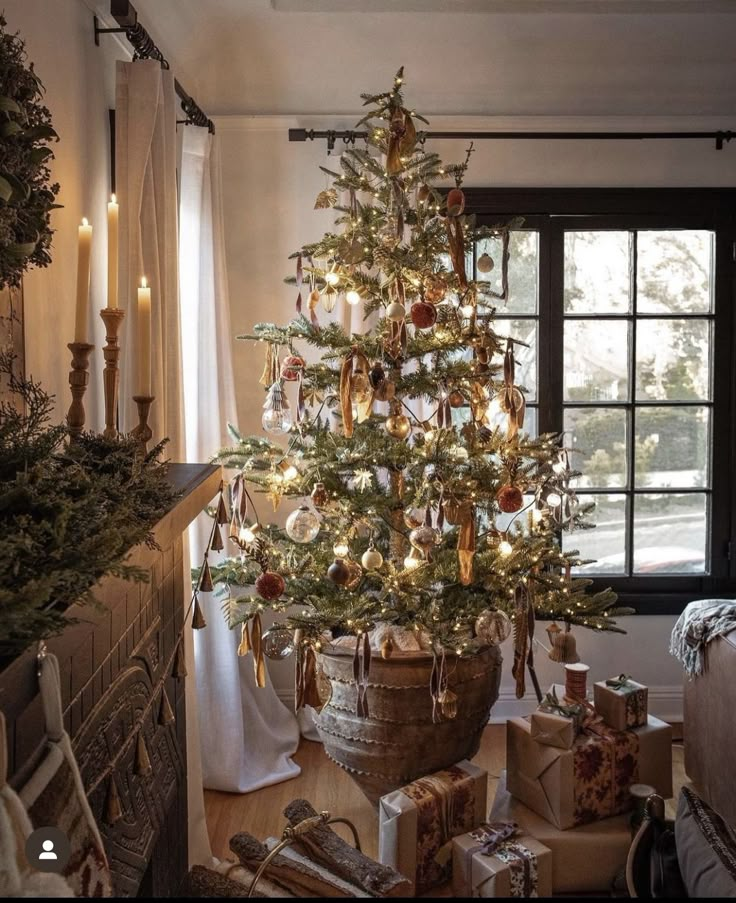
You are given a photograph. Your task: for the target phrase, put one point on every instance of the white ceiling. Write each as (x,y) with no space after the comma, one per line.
(247,57)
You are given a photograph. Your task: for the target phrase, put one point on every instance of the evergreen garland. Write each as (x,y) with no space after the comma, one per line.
(27,195)
(69,513)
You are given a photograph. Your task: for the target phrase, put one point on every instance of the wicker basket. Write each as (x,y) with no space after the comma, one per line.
(399,742)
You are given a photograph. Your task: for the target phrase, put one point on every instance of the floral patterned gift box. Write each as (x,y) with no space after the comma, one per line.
(417,823)
(591,780)
(500,860)
(621,702)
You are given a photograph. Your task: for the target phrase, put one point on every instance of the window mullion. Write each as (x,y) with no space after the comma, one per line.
(551,326)
(630,508)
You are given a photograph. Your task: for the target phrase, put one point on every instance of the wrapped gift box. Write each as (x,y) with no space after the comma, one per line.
(591,780)
(417,823)
(556,722)
(621,703)
(584,859)
(520,866)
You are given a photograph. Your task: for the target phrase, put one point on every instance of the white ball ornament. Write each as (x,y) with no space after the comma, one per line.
(302,525)
(371,559)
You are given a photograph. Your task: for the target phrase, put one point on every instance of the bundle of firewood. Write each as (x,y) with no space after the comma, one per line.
(318,863)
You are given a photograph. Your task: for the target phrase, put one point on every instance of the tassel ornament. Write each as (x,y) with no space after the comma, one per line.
(142,765)
(216,544)
(205,581)
(165,712)
(179,668)
(113,811)
(222,515)
(198,621)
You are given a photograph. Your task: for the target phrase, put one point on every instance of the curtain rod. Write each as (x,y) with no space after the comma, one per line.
(144,47)
(350,137)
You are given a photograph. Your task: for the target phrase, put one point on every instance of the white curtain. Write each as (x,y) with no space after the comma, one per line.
(247,734)
(145,180)
(146,184)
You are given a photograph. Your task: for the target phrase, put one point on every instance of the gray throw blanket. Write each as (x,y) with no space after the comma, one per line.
(700,623)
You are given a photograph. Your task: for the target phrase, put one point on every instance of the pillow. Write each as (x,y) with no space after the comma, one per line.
(706,848)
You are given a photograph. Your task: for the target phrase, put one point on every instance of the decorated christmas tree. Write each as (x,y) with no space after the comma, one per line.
(424,503)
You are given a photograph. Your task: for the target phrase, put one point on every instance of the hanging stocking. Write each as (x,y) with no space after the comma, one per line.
(55,795)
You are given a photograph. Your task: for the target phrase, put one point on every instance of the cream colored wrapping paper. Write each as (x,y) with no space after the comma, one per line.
(544,778)
(478,875)
(584,859)
(407,848)
(553,730)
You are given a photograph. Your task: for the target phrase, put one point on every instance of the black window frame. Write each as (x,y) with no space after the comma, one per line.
(551,212)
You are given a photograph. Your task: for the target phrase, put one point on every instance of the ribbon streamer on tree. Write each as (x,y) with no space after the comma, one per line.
(456,241)
(513,402)
(299,282)
(305,674)
(361,671)
(462,514)
(363,405)
(259,664)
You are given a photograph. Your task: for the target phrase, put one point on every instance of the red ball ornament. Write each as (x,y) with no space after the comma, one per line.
(423,314)
(270,585)
(291,367)
(510,499)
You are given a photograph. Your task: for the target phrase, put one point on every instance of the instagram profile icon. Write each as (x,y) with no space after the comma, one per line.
(48,850)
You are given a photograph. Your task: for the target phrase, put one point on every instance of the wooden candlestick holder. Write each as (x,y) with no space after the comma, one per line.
(143,432)
(112,318)
(78,381)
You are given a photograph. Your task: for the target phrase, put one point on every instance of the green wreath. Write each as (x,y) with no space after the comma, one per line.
(27,195)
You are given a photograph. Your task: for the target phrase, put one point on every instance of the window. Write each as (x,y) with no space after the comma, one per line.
(625,301)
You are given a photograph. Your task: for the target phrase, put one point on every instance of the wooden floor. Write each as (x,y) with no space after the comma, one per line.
(327,786)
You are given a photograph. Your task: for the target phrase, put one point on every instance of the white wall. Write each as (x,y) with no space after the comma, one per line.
(80,89)
(270,190)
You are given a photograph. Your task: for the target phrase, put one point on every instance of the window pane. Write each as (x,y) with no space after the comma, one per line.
(674,272)
(497,418)
(607,542)
(669,533)
(597,438)
(672,447)
(596,360)
(526,357)
(673,360)
(597,272)
(523,271)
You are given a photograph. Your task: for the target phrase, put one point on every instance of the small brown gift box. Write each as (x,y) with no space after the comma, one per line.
(621,702)
(520,866)
(553,728)
(416,824)
(590,781)
(584,859)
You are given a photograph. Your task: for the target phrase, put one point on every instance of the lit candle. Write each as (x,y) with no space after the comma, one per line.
(113,210)
(144,339)
(85,251)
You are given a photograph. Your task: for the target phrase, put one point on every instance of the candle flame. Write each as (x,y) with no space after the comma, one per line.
(113,198)
(144,282)
(85,221)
